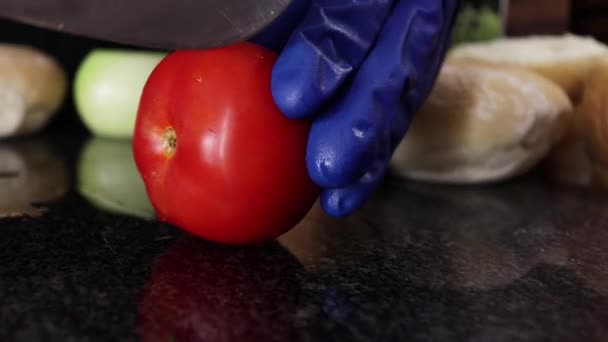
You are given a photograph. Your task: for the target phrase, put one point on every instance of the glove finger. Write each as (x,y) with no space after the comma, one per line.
(340,202)
(348,135)
(323,51)
(427,52)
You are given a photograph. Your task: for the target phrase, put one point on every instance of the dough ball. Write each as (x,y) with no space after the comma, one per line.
(565,59)
(482,123)
(32,88)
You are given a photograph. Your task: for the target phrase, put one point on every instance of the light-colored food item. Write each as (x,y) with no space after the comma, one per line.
(107,88)
(592,113)
(568,60)
(31,173)
(476,24)
(599,176)
(33,86)
(592,121)
(568,162)
(565,59)
(482,123)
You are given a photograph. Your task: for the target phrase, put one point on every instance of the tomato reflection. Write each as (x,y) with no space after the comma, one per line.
(200,291)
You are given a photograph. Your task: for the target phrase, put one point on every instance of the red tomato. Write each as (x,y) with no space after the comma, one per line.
(218,158)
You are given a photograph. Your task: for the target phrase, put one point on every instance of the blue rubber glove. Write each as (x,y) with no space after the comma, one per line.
(361,69)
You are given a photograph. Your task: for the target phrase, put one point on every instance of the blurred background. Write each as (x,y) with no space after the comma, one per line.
(69,51)
(479,20)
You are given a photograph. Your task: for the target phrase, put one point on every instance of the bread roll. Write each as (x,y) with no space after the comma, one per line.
(482,124)
(592,121)
(32,88)
(565,59)
(592,113)
(568,162)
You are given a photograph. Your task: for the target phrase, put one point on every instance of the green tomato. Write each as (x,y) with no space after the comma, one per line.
(107,88)
(109,180)
(490,25)
(476,25)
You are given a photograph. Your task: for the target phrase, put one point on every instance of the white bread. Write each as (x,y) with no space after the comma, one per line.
(565,59)
(32,88)
(482,123)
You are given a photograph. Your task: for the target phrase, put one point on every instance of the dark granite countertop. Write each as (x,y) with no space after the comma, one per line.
(521,261)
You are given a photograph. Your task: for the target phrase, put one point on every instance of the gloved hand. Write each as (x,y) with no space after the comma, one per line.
(361,69)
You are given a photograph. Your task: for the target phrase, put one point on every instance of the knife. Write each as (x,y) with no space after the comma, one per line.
(159,24)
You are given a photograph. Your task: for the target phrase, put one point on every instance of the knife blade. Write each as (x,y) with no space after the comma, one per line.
(159,24)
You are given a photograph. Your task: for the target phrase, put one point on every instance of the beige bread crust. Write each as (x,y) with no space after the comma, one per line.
(592,114)
(482,123)
(599,176)
(592,122)
(565,59)
(32,88)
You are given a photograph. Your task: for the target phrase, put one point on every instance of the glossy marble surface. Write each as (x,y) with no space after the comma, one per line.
(521,261)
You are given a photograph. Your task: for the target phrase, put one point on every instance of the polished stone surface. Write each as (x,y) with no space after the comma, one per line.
(521,261)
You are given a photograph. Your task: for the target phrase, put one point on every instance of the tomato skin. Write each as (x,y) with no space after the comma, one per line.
(238,172)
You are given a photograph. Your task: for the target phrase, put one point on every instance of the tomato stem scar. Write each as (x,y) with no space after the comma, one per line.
(169,142)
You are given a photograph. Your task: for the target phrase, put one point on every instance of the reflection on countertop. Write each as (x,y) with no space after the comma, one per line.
(31,173)
(204,291)
(520,261)
(109,180)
